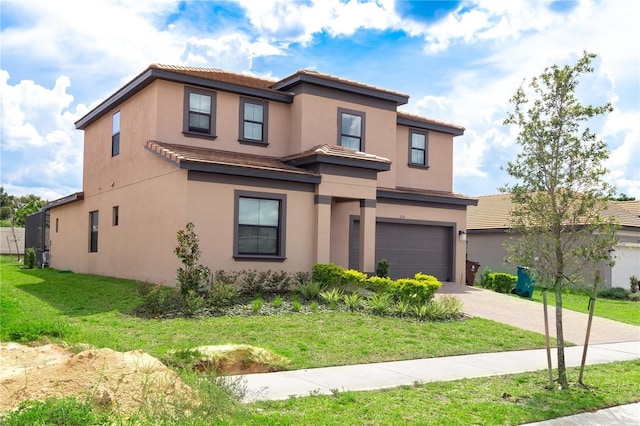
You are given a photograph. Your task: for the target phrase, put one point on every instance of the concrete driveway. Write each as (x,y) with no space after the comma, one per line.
(529,315)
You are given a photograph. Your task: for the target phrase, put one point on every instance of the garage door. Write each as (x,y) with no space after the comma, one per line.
(409,248)
(627,256)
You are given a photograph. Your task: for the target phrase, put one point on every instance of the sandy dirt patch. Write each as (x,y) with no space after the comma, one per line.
(127,382)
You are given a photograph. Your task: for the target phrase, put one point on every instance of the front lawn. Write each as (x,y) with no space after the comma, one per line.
(80,308)
(578,300)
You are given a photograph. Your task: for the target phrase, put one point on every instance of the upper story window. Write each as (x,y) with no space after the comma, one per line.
(115,134)
(199,112)
(418,143)
(253,120)
(351,129)
(260,220)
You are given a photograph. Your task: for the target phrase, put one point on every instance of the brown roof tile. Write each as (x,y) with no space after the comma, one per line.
(338,151)
(419,118)
(492,212)
(189,154)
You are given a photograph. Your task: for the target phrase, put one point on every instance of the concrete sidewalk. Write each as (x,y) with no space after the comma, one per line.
(362,377)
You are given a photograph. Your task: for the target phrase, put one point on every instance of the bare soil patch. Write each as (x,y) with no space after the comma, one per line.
(127,382)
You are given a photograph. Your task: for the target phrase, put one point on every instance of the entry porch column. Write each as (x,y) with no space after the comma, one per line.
(367,259)
(323,228)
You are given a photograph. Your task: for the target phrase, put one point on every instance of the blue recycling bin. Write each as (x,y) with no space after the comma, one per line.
(525,284)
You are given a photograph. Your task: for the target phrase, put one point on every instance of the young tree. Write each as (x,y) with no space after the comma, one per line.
(560,195)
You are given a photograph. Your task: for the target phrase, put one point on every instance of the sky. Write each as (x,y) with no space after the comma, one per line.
(460,62)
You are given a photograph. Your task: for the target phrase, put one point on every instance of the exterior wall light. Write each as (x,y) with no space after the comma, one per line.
(462,235)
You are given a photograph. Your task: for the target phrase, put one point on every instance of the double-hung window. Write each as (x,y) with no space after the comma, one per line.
(199,112)
(115,134)
(418,145)
(253,120)
(351,129)
(260,220)
(93,232)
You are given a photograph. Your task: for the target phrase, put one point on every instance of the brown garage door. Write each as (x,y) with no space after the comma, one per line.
(409,248)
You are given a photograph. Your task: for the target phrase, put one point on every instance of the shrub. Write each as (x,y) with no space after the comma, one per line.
(502,282)
(301,277)
(191,275)
(277,302)
(257,303)
(310,289)
(447,308)
(352,278)
(633,284)
(634,297)
(419,290)
(616,293)
(401,307)
(380,303)
(157,299)
(382,268)
(332,297)
(192,303)
(352,301)
(279,282)
(30,258)
(221,294)
(253,282)
(379,284)
(486,278)
(327,274)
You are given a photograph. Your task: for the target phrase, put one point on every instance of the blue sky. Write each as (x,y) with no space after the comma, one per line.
(459,61)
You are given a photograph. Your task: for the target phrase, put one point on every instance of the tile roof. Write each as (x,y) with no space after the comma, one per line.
(220,75)
(426,120)
(492,212)
(338,151)
(183,154)
(337,79)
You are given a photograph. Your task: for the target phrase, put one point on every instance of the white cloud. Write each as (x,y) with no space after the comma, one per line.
(40,146)
(231,51)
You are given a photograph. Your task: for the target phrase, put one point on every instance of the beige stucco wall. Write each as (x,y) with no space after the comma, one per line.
(488,250)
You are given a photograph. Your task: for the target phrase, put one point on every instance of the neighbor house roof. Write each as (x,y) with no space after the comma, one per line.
(492,212)
(227,162)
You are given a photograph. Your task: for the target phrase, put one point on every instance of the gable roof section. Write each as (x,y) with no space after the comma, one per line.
(230,163)
(492,213)
(411,120)
(342,84)
(339,155)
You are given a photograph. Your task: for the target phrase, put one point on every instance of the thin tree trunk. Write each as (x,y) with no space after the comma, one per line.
(592,305)
(562,369)
(546,336)
(15,240)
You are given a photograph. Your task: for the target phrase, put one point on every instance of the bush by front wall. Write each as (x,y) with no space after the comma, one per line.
(420,289)
(502,282)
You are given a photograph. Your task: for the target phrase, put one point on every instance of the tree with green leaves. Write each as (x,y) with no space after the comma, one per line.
(560,196)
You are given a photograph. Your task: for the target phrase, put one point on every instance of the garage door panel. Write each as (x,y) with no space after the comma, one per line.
(410,248)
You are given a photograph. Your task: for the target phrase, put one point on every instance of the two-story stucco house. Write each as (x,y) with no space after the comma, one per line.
(275,175)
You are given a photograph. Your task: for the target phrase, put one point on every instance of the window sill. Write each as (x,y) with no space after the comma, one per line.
(252,142)
(418,166)
(199,135)
(258,257)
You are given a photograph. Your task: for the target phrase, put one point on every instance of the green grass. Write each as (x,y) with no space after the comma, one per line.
(501,400)
(80,308)
(578,300)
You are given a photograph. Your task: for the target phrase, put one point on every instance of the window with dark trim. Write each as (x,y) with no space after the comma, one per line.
(199,112)
(93,232)
(259,227)
(351,125)
(253,120)
(418,145)
(115,134)
(116,215)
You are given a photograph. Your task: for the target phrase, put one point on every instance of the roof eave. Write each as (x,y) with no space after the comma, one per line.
(424,198)
(339,161)
(296,79)
(442,128)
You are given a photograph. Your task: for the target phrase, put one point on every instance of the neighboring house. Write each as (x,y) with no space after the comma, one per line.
(275,175)
(487,232)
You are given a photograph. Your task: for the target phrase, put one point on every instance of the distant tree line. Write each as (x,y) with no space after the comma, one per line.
(14,209)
